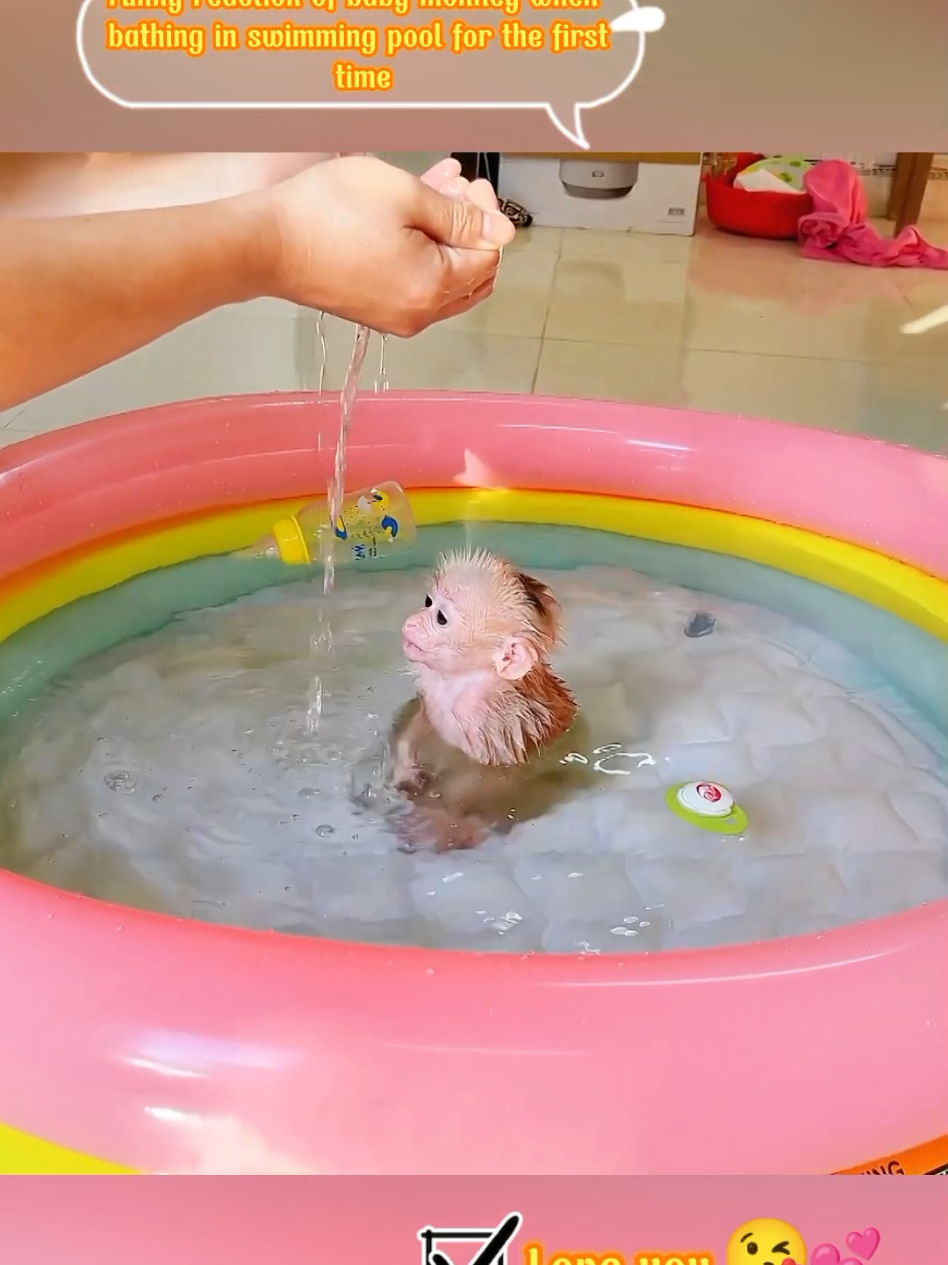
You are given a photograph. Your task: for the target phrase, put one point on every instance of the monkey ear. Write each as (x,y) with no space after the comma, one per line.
(515,658)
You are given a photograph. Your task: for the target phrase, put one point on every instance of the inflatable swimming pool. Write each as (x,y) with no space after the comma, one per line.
(138,1042)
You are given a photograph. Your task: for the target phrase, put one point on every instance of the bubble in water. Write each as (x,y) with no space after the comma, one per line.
(325,831)
(309,792)
(121,780)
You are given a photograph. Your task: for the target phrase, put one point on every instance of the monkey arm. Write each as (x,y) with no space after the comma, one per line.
(503,795)
(410,727)
(460,807)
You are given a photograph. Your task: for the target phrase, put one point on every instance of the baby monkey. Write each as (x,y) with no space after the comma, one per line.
(481,747)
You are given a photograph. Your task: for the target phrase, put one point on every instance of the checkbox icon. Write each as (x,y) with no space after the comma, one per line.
(435,1243)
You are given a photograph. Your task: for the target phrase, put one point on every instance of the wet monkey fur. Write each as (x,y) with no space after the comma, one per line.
(481,745)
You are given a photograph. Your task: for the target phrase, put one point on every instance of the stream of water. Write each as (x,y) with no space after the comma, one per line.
(337,484)
(381,382)
(321,640)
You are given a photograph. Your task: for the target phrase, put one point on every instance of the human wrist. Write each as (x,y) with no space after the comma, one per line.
(269,266)
(247,238)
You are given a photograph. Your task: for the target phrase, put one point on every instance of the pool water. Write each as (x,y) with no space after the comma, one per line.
(157,751)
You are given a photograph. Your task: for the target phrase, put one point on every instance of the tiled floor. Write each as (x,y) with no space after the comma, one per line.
(710,322)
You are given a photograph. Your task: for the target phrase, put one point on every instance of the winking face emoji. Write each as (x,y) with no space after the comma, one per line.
(766,1242)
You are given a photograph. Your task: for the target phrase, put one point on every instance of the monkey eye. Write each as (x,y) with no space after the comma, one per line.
(442,618)
(428,600)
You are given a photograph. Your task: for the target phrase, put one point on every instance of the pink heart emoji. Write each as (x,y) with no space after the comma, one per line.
(850,1261)
(864,1244)
(825,1254)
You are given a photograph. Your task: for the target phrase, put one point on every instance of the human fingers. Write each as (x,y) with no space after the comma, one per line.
(441,172)
(481,193)
(459,223)
(365,241)
(456,187)
(466,302)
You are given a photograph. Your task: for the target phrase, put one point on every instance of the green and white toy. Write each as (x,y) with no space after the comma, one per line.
(707,805)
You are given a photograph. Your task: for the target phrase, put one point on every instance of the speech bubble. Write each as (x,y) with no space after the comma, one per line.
(366,54)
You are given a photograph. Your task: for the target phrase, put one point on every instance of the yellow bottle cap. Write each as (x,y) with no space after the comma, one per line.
(291,542)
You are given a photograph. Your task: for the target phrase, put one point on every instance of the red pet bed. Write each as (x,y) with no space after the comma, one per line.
(774,215)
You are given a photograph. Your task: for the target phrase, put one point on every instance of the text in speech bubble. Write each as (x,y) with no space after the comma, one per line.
(562,56)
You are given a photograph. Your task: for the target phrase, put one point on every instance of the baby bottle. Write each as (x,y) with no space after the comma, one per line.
(371,523)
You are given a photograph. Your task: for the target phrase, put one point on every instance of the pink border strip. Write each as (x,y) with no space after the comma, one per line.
(376,1220)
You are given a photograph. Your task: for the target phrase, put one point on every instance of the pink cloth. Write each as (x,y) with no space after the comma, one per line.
(836,228)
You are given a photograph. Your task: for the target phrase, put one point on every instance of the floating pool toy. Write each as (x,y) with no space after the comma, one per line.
(708,805)
(139,1042)
(370,524)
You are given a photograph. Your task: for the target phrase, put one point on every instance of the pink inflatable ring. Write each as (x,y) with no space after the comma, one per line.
(180,1047)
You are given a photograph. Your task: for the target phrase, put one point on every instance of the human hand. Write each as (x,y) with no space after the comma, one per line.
(445,176)
(376,246)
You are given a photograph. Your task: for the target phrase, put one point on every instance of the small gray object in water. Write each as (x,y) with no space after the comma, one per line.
(700,625)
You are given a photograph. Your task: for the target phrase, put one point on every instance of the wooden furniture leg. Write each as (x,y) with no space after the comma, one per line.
(904,163)
(908,188)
